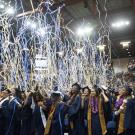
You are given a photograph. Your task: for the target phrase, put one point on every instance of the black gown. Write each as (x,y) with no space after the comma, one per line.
(129,120)
(95,120)
(75,116)
(58,123)
(26,119)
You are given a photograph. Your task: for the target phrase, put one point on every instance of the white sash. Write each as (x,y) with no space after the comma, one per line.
(32,104)
(2,101)
(43,117)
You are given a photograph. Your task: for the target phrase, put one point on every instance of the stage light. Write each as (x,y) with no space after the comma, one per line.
(10,11)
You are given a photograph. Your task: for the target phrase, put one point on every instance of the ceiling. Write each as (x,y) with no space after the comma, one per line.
(77,11)
(116,10)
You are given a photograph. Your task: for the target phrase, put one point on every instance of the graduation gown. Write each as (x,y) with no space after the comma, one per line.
(74,113)
(12,119)
(129,120)
(38,121)
(98,119)
(26,119)
(57,123)
(2,120)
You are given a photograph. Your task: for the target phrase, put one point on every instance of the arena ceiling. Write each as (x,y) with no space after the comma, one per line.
(76,11)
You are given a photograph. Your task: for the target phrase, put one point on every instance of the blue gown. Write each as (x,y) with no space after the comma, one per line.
(38,124)
(26,119)
(58,125)
(75,116)
(12,119)
(37,120)
(129,120)
(95,120)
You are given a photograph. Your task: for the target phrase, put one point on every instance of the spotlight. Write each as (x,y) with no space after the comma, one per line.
(10,11)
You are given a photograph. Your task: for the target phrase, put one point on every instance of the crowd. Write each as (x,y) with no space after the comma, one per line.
(79,111)
(131,66)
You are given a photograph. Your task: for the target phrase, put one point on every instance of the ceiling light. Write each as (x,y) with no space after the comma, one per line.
(1,6)
(79,50)
(129,52)
(10,11)
(127,22)
(125,44)
(28,23)
(60,53)
(42,31)
(84,31)
(31,24)
(101,47)
(80,32)
(120,24)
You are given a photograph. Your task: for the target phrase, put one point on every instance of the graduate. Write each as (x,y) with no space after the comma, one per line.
(120,107)
(39,114)
(74,115)
(95,112)
(129,119)
(26,114)
(55,123)
(11,110)
(4,98)
(84,100)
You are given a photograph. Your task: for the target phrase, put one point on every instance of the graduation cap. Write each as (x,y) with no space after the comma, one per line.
(77,85)
(57,92)
(104,87)
(97,89)
(128,89)
(3,87)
